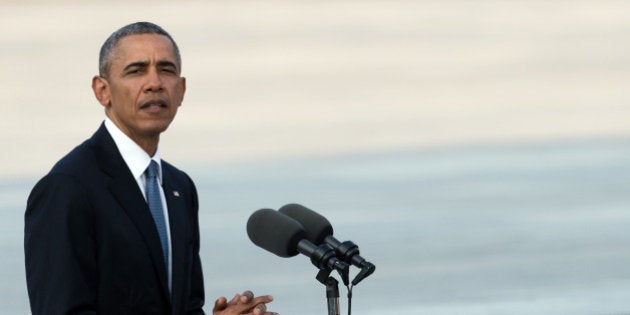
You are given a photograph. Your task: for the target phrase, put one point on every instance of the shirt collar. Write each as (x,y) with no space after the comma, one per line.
(135,157)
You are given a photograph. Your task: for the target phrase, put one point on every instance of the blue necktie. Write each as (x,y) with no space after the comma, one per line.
(155,205)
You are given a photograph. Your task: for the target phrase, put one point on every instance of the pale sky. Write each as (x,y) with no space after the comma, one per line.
(287,78)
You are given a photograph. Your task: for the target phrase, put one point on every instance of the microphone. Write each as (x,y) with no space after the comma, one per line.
(285,237)
(319,231)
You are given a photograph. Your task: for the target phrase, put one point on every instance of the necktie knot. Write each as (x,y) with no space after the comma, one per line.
(152,170)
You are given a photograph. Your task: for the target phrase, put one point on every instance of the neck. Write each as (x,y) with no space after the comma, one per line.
(147,141)
(148,145)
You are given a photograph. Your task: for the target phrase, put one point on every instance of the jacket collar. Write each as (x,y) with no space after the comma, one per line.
(125,190)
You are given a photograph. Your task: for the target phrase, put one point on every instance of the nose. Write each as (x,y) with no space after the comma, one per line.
(154,82)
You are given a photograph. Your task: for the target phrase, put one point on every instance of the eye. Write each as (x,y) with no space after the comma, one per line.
(134,71)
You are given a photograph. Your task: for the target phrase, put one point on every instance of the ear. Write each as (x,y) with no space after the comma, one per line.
(100,87)
(183,87)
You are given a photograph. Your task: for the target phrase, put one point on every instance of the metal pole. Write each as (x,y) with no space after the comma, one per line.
(332,295)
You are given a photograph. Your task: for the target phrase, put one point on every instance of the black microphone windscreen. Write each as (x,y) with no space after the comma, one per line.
(275,232)
(316,226)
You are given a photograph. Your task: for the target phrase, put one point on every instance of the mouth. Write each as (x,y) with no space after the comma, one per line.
(153,106)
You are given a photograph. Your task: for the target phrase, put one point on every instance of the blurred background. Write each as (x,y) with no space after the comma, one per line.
(476,151)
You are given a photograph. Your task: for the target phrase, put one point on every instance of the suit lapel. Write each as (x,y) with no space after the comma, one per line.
(126,191)
(178,223)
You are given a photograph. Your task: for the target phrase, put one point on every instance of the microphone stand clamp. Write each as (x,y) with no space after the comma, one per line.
(332,290)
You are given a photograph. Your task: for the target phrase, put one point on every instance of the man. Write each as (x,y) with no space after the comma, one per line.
(113,229)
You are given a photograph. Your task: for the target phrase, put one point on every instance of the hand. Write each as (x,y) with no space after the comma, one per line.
(243,304)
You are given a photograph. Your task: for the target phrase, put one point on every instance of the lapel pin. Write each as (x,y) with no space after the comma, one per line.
(175,193)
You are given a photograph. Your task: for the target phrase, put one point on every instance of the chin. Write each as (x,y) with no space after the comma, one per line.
(156,127)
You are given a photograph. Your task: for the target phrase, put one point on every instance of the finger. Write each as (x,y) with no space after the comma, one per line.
(249,308)
(247,296)
(263,299)
(235,299)
(220,304)
(260,309)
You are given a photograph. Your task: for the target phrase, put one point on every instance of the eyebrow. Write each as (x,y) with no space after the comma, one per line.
(144,64)
(166,63)
(137,64)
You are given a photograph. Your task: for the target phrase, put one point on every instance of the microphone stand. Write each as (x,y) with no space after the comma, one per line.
(332,290)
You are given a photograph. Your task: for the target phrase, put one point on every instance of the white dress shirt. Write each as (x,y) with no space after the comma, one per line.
(138,161)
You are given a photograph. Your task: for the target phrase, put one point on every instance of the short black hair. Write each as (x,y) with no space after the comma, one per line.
(104,58)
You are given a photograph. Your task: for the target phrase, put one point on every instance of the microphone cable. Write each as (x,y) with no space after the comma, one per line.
(350,287)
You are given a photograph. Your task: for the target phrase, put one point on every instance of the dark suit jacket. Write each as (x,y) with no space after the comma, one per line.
(91,246)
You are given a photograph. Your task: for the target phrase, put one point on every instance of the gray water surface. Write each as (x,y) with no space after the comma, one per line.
(535,228)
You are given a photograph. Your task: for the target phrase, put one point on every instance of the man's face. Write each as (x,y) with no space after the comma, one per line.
(142,88)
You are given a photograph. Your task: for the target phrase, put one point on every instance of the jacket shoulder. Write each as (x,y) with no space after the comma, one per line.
(176,174)
(78,161)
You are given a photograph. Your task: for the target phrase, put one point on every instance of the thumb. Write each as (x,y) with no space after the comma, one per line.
(220,304)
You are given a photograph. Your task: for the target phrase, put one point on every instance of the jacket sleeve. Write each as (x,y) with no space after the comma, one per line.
(59,246)
(196,300)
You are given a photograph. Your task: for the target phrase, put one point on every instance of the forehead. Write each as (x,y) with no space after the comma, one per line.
(143,47)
